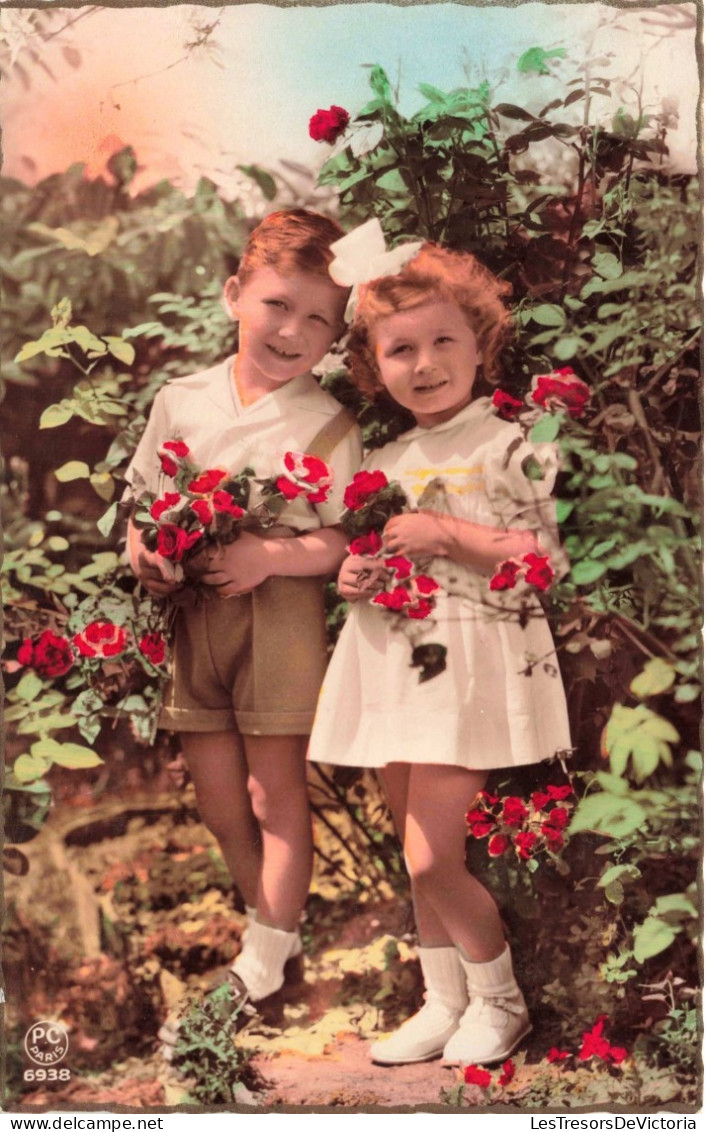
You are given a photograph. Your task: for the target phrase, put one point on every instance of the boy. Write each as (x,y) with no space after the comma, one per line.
(247,672)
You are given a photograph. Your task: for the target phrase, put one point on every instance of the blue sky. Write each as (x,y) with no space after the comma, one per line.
(248,95)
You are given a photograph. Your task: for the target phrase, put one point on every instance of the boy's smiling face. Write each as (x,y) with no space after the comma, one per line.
(287,324)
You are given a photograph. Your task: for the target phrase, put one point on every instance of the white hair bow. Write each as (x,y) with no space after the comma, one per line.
(361,256)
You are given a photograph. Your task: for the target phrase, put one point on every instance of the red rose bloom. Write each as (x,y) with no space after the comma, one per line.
(288,488)
(396,600)
(553,837)
(426,585)
(559,793)
(170,453)
(207,481)
(539,572)
(308,468)
(153,646)
(402,566)
(169,465)
(540,799)
(203,511)
(173,542)
(557,1054)
(178,447)
(224,503)
(508,1072)
(49,655)
(481,829)
(419,609)
(514,812)
(561,389)
(498,844)
(328,125)
(169,500)
(505,577)
(101,639)
(366,545)
(318,496)
(490,799)
(507,407)
(559,817)
(473,1075)
(523,844)
(362,486)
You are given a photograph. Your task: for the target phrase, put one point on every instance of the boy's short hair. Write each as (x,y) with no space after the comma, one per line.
(434,273)
(294,239)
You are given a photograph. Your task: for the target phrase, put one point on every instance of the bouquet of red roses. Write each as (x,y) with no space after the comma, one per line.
(211,507)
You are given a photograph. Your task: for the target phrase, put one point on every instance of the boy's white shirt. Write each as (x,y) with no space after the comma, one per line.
(205,411)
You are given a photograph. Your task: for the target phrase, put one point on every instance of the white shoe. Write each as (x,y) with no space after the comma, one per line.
(424,1035)
(496,1019)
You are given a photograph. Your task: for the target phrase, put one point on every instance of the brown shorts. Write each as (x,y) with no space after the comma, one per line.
(254,663)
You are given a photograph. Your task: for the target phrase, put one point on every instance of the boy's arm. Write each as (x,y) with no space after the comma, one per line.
(242,565)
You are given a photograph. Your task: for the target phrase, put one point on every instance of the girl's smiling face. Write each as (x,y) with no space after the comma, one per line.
(428,357)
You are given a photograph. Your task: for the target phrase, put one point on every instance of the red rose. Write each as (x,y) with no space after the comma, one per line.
(540,799)
(490,799)
(473,1075)
(173,542)
(224,503)
(507,407)
(153,646)
(562,390)
(170,453)
(308,468)
(362,486)
(508,1072)
(557,1054)
(288,488)
(596,1045)
(505,577)
(559,793)
(318,496)
(169,466)
(49,655)
(101,639)
(523,844)
(178,447)
(481,829)
(426,585)
(514,812)
(203,511)
(498,844)
(419,609)
(402,566)
(169,500)
(328,125)
(553,837)
(539,572)
(366,545)
(206,482)
(559,817)
(396,600)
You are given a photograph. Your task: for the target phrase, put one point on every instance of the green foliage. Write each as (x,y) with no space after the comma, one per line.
(206,1054)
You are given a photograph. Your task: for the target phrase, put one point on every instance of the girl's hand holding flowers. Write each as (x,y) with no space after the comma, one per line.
(417,534)
(360,577)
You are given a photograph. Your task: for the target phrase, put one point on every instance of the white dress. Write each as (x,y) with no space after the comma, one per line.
(499,701)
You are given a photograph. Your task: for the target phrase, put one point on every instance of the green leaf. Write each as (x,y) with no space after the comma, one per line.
(608,814)
(618,872)
(26,769)
(607,265)
(57,543)
(546,429)
(56,415)
(107,520)
(507,110)
(121,350)
(380,83)
(29,687)
(535,60)
(432,93)
(567,348)
(588,571)
(563,509)
(73,470)
(103,484)
(656,677)
(652,937)
(75,757)
(45,749)
(548,314)
(676,903)
(262,178)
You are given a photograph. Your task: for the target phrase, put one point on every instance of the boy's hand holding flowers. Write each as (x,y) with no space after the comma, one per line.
(237,568)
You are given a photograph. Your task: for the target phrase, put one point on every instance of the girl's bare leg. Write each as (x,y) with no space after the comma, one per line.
(217,766)
(435,836)
(395,778)
(280,799)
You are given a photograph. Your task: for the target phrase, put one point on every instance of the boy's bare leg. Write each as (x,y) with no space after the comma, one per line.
(395,779)
(217,766)
(435,838)
(280,800)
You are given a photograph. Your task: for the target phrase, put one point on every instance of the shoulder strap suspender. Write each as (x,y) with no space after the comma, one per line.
(331,435)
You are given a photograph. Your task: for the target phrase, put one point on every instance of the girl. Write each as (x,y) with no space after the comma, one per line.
(422,335)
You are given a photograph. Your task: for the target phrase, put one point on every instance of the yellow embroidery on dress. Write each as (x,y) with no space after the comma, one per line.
(472,479)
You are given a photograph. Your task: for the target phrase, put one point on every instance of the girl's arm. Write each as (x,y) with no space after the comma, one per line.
(482,548)
(242,565)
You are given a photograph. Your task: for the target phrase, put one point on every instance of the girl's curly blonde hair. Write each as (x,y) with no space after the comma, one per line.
(434,273)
